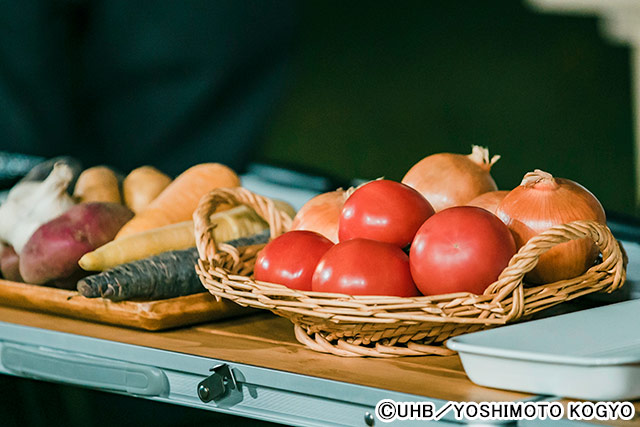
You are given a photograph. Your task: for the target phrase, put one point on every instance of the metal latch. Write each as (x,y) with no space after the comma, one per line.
(217,384)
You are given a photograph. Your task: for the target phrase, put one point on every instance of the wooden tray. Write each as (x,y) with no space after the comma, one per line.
(147,315)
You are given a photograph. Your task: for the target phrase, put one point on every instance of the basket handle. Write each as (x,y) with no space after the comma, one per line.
(510,281)
(278,220)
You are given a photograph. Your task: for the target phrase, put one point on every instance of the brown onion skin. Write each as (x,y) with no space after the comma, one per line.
(530,209)
(489,201)
(448,179)
(322,213)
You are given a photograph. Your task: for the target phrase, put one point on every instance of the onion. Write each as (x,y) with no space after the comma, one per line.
(322,213)
(542,201)
(447,179)
(489,201)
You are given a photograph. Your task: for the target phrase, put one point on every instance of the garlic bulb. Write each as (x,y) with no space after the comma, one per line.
(30,204)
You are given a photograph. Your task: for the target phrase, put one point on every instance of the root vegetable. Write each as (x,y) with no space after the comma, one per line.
(142,186)
(10,264)
(53,251)
(178,201)
(447,179)
(542,201)
(167,275)
(489,201)
(97,184)
(235,223)
(322,213)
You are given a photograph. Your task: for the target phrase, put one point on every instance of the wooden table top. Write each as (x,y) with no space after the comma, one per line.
(268,341)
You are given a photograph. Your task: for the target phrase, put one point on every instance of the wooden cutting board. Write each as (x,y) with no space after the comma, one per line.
(146,315)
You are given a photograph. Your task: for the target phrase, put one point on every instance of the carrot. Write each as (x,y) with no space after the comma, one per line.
(170,274)
(142,185)
(97,184)
(177,202)
(241,221)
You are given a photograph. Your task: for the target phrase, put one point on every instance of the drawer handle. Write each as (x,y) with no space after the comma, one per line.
(84,370)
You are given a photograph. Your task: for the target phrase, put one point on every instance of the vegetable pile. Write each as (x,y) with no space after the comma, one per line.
(113,236)
(445,228)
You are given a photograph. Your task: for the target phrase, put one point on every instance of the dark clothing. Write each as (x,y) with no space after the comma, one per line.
(127,83)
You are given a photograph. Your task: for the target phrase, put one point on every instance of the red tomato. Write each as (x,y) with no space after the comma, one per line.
(364,267)
(460,249)
(291,259)
(384,210)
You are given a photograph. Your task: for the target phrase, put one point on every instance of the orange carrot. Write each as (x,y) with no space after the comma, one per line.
(177,202)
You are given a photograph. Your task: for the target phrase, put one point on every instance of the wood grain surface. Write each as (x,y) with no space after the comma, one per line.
(268,341)
(147,315)
(265,340)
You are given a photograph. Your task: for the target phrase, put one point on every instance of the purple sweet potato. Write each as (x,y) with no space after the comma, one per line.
(51,255)
(10,264)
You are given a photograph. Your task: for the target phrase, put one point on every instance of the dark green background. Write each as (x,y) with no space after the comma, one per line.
(375,87)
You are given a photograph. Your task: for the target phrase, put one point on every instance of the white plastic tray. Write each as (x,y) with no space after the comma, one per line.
(592,354)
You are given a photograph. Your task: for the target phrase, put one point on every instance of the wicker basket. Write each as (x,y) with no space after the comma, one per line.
(385,326)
